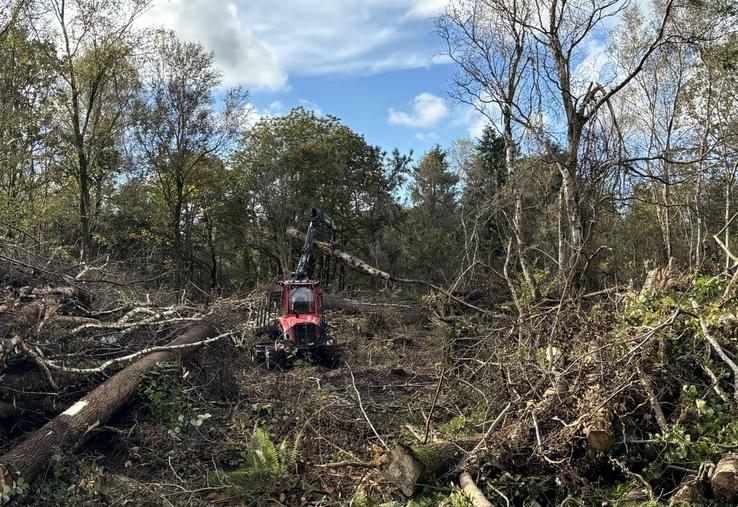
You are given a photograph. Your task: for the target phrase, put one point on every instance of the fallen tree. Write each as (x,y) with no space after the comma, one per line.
(27,459)
(362,267)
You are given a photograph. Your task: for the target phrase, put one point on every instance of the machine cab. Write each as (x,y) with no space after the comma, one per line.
(301,313)
(301,299)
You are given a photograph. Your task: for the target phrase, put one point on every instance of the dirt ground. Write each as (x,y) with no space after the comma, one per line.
(186,438)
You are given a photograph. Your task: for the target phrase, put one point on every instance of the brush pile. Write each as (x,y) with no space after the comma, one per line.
(114,390)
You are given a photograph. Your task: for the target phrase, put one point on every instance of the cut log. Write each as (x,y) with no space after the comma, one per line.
(598,424)
(472,492)
(598,430)
(29,458)
(689,493)
(409,467)
(725,478)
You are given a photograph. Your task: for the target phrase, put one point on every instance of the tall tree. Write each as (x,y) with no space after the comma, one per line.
(489,40)
(433,219)
(27,76)
(494,44)
(179,128)
(96,75)
(289,164)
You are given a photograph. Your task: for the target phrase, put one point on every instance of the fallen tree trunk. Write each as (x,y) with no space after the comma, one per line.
(28,458)
(362,267)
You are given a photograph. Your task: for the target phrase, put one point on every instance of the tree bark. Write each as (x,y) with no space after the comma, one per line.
(725,478)
(472,491)
(29,458)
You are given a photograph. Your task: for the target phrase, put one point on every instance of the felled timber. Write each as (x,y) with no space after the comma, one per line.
(28,458)
(362,267)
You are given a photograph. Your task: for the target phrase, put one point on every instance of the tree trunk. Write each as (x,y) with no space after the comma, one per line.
(213,254)
(518,227)
(562,237)
(573,219)
(29,458)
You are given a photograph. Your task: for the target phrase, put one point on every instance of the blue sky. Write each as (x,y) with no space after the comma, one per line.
(376,64)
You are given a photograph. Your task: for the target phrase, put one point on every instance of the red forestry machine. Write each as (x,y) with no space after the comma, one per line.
(291,318)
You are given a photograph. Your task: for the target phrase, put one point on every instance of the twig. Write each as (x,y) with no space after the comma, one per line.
(39,362)
(342,464)
(719,350)
(655,405)
(414,433)
(433,407)
(715,383)
(726,249)
(361,406)
(492,427)
(630,473)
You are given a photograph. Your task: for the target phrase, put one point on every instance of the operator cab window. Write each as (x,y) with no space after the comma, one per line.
(301,300)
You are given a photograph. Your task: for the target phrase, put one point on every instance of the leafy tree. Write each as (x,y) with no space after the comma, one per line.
(96,79)
(287,165)
(434,186)
(433,218)
(27,76)
(179,130)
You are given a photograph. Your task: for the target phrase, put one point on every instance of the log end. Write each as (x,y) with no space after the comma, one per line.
(598,430)
(400,467)
(725,477)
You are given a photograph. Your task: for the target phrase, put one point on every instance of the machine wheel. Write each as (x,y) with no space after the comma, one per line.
(275,359)
(328,356)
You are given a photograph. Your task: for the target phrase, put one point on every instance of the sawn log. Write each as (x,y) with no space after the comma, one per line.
(28,458)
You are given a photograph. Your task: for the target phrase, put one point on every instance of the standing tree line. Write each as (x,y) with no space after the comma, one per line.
(611,142)
(618,124)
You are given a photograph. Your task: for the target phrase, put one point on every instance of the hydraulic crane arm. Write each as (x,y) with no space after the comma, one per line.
(317,217)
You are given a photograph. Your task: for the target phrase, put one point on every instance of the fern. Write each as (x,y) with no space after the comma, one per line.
(360,499)
(266,455)
(289,457)
(264,461)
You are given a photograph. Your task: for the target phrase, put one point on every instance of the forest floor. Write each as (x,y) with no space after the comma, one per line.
(615,400)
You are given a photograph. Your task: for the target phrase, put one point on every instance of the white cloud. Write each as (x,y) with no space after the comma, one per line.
(430,137)
(255,114)
(217,25)
(469,118)
(428,110)
(428,8)
(476,127)
(259,42)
